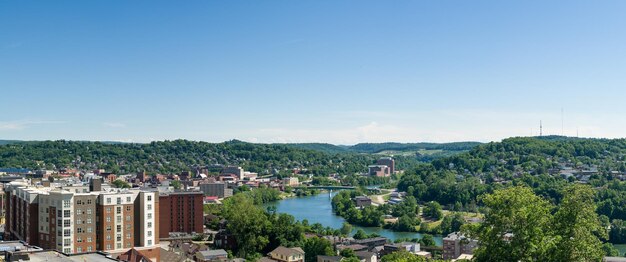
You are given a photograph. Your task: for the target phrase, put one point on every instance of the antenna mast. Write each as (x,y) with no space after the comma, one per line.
(540,128)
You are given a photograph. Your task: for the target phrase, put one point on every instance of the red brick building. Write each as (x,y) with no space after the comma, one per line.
(183,212)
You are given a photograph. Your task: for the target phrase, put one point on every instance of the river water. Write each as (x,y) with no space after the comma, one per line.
(318,209)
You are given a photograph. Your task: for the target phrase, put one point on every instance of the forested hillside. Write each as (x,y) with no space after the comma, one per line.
(178,155)
(379,147)
(547,165)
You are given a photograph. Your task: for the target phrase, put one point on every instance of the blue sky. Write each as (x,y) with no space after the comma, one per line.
(311,71)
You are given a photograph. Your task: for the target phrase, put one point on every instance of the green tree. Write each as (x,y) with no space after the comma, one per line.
(248,224)
(405,223)
(609,250)
(433,210)
(360,234)
(316,246)
(515,227)
(175,184)
(452,223)
(346,228)
(346,252)
(118,183)
(428,240)
(402,256)
(577,226)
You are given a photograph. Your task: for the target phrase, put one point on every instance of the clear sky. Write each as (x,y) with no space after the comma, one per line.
(341,72)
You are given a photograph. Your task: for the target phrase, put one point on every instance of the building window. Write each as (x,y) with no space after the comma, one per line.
(128,208)
(149,233)
(89,248)
(79,230)
(79,221)
(59,213)
(66,223)
(119,219)
(89,211)
(149,197)
(88,220)
(108,246)
(108,228)
(66,213)
(108,219)
(89,230)
(119,210)
(119,237)
(66,232)
(127,218)
(108,210)
(79,239)
(119,228)
(88,239)
(149,242)
(78,202)
(128,236)
(128,199)
(127,244)
(67,250)
(88,201)
(108,237)
(149,207)
(108,200)
(149,215)
(79,250)
(66,203)
(67,242)
(79,211)
(119,245)
(59,233)
(119,200)
(149,224)
(127,226)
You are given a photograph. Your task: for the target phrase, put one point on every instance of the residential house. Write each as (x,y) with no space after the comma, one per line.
(362,201)
(366,256)
(211,255)
(286,254)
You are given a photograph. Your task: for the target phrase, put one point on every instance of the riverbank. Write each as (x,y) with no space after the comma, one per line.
(318,209)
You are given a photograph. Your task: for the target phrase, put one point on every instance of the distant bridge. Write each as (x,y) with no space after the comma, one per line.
(326,187)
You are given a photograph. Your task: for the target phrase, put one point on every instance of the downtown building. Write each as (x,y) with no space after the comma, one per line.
(79,219)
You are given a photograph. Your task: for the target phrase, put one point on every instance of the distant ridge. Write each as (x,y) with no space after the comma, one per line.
(372,148)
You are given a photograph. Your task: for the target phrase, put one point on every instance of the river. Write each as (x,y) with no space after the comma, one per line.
(318,209)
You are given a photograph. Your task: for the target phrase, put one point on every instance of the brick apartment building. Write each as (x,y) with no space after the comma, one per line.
(184,212)
(73,219)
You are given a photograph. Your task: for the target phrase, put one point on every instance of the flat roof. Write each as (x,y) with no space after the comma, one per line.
(53,256)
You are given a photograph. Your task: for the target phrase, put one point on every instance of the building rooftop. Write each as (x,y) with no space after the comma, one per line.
(53,256)
(213,253)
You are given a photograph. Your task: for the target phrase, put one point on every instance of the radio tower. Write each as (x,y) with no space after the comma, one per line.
(540,128)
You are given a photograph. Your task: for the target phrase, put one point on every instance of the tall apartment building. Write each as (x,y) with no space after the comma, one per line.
(387,161)
(76,220)
(456,244)
(184,212)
